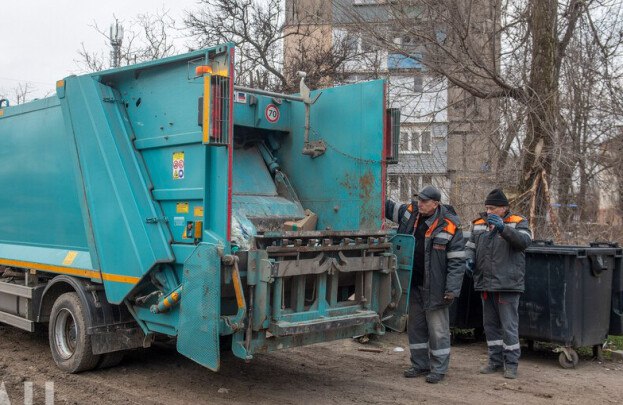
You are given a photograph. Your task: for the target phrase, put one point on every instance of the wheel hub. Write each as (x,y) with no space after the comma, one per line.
(65,336)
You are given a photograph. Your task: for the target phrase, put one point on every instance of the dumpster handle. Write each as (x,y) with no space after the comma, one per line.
(597,265)
(543,242)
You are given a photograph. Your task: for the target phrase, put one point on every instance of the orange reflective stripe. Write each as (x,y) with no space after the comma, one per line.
(450,227)
(432,228)
(479,221)
(410,208)
(513,219)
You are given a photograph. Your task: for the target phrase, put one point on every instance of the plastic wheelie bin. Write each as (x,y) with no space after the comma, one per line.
(616,311)
(567,300)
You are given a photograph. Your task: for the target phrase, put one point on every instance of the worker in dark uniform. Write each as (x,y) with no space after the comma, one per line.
(438,269)
(495,255)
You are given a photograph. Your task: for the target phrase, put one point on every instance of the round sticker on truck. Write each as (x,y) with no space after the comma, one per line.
(271,113)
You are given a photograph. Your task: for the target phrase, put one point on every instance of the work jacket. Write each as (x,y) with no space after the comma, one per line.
(444,251)
(499,258)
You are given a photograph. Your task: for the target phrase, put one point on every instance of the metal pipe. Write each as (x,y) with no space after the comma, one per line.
(247,340)
(277,298)
(167,302)
(235,275)
(307,126)
(268,93)
(268,157)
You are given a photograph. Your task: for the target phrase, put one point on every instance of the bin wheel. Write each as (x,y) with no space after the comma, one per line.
(564,361)
(69,342)
(598,353)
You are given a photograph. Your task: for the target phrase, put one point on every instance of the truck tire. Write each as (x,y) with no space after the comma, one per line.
(108,360)
(69,342)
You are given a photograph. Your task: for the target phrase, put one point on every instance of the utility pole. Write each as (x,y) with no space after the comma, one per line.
(116,38)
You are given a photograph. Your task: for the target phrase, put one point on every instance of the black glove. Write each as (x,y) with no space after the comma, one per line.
(496,221)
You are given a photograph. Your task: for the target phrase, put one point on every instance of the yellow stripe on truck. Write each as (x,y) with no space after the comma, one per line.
(52,269)
(120,279)
(93,274)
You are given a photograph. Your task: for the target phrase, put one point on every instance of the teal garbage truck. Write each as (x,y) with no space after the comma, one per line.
(161,200)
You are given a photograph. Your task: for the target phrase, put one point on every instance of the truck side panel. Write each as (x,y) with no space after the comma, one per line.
(130,237)
(41,225)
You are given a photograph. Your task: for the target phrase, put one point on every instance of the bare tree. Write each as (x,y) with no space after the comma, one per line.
(259,29)
(516,51)
(21,93)
(147,37)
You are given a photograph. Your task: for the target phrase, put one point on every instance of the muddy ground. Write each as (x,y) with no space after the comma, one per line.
(327,373)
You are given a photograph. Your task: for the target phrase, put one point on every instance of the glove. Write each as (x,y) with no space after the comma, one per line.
(496,222)
(469,267)
(448,297)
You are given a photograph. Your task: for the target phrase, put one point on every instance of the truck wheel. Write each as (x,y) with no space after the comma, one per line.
(69,342)
(108,360)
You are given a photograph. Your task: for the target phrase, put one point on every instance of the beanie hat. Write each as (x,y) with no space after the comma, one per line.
(497,198)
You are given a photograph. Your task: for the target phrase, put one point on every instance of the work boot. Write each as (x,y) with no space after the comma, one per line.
(491,368)
(413,372)
(434,378)
(510,373)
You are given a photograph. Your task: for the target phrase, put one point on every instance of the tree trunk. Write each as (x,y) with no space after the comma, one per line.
(542,102)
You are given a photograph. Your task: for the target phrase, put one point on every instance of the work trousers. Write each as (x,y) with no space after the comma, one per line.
(501,323)
(429,335)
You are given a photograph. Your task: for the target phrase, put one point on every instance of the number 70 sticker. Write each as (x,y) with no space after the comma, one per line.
(271,113)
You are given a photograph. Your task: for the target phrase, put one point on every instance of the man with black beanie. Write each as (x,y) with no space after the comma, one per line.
(495,255)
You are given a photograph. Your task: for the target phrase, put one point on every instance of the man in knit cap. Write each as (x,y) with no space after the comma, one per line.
(495,255)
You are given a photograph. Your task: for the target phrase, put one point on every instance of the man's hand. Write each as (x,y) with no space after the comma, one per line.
(448,297)
(496,221)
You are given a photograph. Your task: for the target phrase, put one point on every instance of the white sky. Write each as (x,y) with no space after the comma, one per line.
(40,39)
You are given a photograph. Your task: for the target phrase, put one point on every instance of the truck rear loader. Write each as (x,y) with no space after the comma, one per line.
(161,200)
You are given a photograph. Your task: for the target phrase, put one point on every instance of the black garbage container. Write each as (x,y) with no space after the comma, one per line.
(616,311)
(568,293)
(466,311)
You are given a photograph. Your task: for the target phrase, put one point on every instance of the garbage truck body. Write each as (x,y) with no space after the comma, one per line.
(161,200)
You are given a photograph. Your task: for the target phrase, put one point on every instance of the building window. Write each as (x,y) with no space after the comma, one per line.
(402,187)
(418,84)
(394,188)
(415,141)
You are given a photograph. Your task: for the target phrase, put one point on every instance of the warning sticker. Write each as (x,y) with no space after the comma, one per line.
(178,166)
(271,113)
(240,97)
(198,211)
(181,208)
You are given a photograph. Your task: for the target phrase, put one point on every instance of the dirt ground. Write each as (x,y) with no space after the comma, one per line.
(336,372)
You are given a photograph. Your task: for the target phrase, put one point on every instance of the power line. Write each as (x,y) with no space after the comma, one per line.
(25,81)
